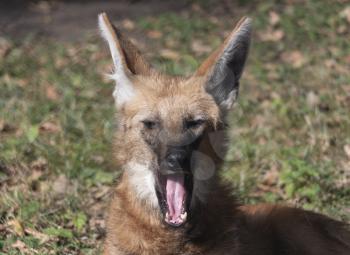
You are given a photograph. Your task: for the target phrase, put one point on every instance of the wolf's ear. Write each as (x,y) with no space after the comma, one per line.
(127,60)
(224,67)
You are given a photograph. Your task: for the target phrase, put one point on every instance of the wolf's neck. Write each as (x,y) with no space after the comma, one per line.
(213,216)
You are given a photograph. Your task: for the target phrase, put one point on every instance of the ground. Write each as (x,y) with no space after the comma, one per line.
(290,129)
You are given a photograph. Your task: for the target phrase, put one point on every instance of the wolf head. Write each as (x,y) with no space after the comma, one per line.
(169,140)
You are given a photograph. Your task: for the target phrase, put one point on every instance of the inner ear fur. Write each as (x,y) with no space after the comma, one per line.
(127,61)
(131,57)
(134,60)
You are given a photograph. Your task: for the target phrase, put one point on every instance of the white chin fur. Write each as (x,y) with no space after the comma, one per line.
(142,180)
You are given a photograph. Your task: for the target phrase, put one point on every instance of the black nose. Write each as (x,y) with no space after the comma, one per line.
(176,158)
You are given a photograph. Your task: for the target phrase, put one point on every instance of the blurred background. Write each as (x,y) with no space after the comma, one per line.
(290,129)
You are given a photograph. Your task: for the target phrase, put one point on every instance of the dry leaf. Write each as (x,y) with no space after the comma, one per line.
(40,236)
(20,246)
(347,59)
(196,8)
(312,99)
(51,93)
(101,192)
(169,54)
(97,159)
(97,223)
(2,227)
(347,150)
(154,34)
(272,72)
(271,176)
(128,24)
(50,127)
(2,125)
(5,47)
(35,175)
(330,63)
(346,167)
(16,226)
(140,45)
(274,18)
(39,164)
(272,35)
(342,29)
(343,180)
(60,62)
(45,186)
(294,58)
(346,14)
(199,47)
(339,68)
(60,185)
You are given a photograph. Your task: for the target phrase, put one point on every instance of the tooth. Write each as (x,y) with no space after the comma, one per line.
(183,216)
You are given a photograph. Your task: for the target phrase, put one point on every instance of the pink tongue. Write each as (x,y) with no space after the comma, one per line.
(175,194)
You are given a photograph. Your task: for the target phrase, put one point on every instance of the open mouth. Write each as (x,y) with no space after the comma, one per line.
(174,194)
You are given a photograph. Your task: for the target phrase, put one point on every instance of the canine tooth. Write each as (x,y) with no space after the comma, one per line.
(183,216)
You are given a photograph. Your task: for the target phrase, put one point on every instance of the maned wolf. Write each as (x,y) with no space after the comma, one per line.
(169,144)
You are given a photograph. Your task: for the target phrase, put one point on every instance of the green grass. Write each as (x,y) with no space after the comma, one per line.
(290,128)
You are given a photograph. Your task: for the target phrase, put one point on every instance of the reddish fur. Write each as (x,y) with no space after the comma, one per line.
(221,225)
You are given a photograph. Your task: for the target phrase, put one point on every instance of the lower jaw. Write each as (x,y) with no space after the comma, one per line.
(178,218)
(179,221)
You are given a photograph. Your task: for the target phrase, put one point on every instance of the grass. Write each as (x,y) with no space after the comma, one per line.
(290,129)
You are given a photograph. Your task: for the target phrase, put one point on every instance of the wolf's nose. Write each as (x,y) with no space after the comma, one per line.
(176,158)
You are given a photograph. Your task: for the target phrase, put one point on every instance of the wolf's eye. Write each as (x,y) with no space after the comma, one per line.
(194,123)
(149,124)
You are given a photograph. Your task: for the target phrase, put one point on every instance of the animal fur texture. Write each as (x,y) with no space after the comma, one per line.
(170,144)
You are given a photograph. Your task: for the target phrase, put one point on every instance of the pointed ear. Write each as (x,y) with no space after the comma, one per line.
(224,67)
(126,57)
